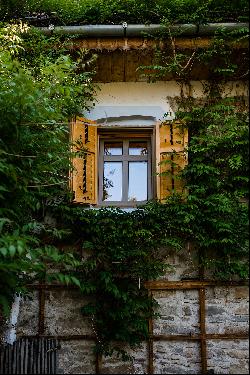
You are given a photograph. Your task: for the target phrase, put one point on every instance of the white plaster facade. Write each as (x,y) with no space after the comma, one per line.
(116,102)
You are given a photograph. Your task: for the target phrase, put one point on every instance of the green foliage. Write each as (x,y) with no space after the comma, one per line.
(40,89)
(120,250)
(218,182)
(222,60)
(217,174)
(131,11)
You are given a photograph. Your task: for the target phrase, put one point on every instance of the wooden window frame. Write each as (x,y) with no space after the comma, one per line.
(124,136)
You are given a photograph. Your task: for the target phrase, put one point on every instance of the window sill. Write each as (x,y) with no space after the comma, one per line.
(121,208)
(111,205)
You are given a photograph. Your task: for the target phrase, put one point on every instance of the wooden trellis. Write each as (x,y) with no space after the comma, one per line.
(163,285)
(202,337)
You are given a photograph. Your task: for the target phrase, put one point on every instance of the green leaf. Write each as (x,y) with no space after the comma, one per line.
(3,251)
(12,250)
(76,281)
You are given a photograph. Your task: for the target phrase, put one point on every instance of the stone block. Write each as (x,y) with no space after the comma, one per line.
(223,311)
(179,312)
(76,357)
(241,292)
(186,359)
(63,313)
(27,321)
(228,357)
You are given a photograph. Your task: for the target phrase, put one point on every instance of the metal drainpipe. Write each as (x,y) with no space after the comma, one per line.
(139,30)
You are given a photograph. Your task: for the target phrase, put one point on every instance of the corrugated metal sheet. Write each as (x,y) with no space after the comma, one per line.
(29,356)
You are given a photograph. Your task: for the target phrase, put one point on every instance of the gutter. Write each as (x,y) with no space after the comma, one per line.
(126,30)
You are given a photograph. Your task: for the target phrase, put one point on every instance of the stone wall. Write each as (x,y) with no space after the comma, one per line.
(226,311)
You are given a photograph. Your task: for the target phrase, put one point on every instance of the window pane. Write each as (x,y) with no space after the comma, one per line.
(138,148)
(112,148)
(112,181)
(138,181)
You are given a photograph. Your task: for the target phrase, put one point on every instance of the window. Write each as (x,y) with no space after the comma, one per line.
(127,167)
(125,171)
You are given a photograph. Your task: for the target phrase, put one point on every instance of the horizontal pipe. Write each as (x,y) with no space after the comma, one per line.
(86,30)
(124,30)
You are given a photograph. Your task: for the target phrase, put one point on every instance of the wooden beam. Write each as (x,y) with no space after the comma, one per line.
(150,343)
(203,343)
(190,284)
(116,43)
(212,336)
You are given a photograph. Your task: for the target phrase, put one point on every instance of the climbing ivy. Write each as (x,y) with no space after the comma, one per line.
(120,251)
(217,174)
(109,253)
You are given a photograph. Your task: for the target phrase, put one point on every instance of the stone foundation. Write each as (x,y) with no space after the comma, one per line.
(226,313)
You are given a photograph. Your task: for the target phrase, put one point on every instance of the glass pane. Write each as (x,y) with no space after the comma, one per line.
(112,148)
(112,181)
(138,148)
(138,181)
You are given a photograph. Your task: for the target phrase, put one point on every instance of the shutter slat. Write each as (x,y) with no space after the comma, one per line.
(84,182)
(171,158)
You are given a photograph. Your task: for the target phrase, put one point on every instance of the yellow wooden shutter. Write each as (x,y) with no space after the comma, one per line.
(171,157)
(84,176)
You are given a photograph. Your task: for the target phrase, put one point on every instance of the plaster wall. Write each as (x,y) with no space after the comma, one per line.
(117,101)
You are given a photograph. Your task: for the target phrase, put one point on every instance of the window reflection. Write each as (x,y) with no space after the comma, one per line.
(112,148)
(138,148)
(112,181)
(138,174)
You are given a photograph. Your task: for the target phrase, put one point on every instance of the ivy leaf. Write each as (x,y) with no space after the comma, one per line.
(12,250)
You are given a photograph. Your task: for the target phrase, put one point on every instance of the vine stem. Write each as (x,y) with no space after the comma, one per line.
(20,156)
(189,61)
(56,183)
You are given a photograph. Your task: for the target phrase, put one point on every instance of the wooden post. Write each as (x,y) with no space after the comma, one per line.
(41,318)
(150,344)
(203,342)
(98,363)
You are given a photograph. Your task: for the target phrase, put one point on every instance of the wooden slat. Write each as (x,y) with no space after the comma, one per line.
(118,66)
(103,64)
(29,356)
(42,362)
(130,66)
(171,143)
(84,182)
